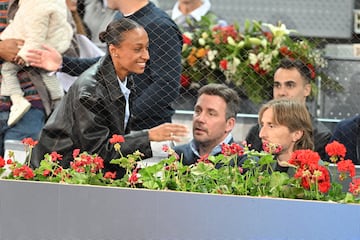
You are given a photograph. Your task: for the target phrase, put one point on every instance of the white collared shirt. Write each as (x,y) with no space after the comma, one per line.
(196,14)
(126,93)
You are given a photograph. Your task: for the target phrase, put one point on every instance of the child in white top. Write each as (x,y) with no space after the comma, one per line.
(37,22)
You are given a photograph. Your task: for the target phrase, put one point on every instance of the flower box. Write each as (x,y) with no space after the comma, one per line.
(38,210)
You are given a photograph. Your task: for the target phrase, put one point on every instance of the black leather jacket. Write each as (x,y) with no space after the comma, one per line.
(87,117)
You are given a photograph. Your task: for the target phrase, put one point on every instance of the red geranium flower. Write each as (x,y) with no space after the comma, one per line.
(316,174)
(185,81)
(76,153)
(354,187)
(133,179)
(186,40)
(2,162)
(223,64)
(272,148)
(117,139)
(345,166)
(55,156)
(304,158)
(234,148)
(204,159)
(110,175)
(24,171)
(29,141)
(335,150)
(46,172)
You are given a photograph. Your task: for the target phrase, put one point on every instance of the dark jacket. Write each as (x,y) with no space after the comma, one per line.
(347,132)
(321,135)
(87,117)
(159,85)
(189,157)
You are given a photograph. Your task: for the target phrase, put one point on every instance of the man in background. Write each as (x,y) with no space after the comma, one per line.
(292,80)
(213,120)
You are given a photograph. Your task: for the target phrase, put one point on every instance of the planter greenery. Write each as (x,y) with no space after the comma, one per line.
(217,175)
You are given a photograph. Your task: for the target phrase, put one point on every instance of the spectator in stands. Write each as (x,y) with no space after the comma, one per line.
(186,13)
(77,19)
(213,120)
(292,81)
(98,104)
(96,16)
(347,132)
(159,85)
(31,83)
(49,26)
(286,123)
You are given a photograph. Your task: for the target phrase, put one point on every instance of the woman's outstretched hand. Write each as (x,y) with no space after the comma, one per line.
(168,132)
(47,58)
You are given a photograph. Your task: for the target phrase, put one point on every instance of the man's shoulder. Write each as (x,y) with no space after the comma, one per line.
(185,153)
(353,121)
(155,15)
(182,147)
(319,126)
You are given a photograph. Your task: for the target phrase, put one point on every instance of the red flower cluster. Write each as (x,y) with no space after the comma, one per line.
(221,33)
(55,156)
(29,142)
(110,175)
(312,174)
(354,187)
(303,158)
(84,161)
(185,81)
(346,166)
(337,152)
(2,162)
(232,149)
(223,64)
(271,148)
(117,139)
(285,51)
(204,158)
(24,171)
(186,40)
(134,178)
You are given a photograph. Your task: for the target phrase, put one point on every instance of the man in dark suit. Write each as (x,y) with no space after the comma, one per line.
(292,80)
(214,118)
(347,132)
